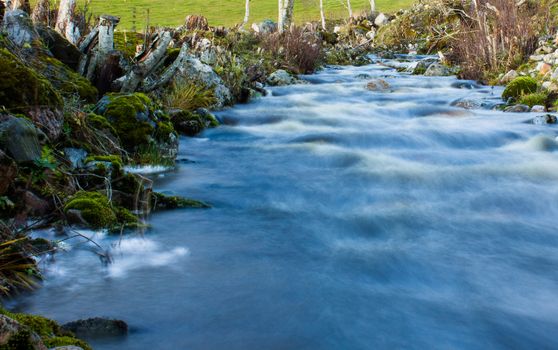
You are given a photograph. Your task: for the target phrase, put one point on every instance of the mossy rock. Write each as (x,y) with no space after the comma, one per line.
(534,99)
(141,127)
(61,49)
(161,201)
(518,87)
(192,123)
(22,88)
(50,333)
(94,208)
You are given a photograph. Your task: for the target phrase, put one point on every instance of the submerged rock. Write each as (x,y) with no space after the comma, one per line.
(545,119)
(518,109)
(377,85)
(97,327)
(438,70)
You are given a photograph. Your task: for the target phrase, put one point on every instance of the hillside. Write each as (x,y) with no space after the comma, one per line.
(226,12)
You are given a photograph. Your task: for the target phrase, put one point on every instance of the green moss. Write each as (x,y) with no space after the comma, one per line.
(115,160)
(122,111)
(65,341)
(19,341)
(38,324)
(125,217)
(534,99)
(22,88)
(518,87)
(95,209)
(162,202)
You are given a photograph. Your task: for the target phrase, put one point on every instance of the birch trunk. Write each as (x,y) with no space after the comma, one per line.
(373,5)
(41,12)
(246,13)
(65,22)
(322,14)
(286,8)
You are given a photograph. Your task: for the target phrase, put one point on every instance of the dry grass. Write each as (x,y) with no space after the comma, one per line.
(188,96)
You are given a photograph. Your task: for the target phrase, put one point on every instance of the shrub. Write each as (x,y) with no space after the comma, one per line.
(298,51)
(497,36)
(518,87)
(534,99)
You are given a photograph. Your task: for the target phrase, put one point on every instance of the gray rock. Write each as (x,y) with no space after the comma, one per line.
(265,27)
(509,76)
(281,77)
(538,109)
(518,109)
(97,327)
(20,138)
(545,119)
(76,156)
(377,85)
(467,104)
(438,70)
(194,70)
(381,20)
(19,27)
(10,327)
(8,172)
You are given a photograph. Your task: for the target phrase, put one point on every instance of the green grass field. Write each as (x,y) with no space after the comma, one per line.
(225,12)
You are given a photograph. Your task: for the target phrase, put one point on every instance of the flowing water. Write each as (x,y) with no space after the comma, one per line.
(342,218)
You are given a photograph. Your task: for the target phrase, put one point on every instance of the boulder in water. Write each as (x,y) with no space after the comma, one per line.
(280,78)
(438,70)
(97,327)
(377,85)
(545,119)
(518,109)
(538,109)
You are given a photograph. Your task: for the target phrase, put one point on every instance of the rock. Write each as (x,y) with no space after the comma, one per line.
(35,206)
(97,327)
(377,85)
(20,138)
(8,172)
(280,78)
(381,20)
(67,347)
(76,156)
(193,70)
(192,123)
(544,68)
(536,58)
(438,70)
(555,74)
(549,86)
(13,335)
(518,109)
(545,119)
(420,67)
(538,109)
(370,35)
(509,76)
(23,90)
(59,46)
(138,124)
(467,104)
(20,29)
(265,27)
(195,22)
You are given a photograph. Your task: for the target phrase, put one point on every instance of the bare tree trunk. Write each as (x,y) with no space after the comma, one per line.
(286,8)
(20,5)
(170,72)
(373,5)
(41,12)
(65,23)
(322,14)
(151,59)
(246,13)
(350,8)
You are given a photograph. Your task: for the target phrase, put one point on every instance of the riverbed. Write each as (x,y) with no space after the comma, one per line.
(342,218)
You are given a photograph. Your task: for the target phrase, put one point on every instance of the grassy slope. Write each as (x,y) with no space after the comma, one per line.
(226,12)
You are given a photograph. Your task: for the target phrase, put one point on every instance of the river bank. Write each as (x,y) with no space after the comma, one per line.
(73,151)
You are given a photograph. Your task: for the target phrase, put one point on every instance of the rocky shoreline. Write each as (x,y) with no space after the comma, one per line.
(80,106)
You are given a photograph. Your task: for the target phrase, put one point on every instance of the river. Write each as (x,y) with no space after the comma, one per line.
(342,218)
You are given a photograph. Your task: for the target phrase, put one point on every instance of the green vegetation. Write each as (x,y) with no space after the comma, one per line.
(518,87)
(534,99)
(94,207)
(162,202)
(189,96)
(228,12)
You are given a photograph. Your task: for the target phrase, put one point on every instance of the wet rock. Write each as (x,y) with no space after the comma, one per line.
(438,70)
(280,78)
(8,172)
(265,27)
(192,123)
(538,109)
(509,76)
(465,85)
(97,327)
(377,85)
(195,22)
(20,138)
(545,119)
(15,336)
(420,67)
(467,104)
(518,109)
(76,156)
